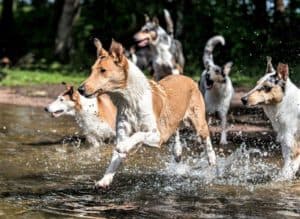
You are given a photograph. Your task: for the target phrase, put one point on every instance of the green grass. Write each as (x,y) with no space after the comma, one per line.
(15,77)
(241,76)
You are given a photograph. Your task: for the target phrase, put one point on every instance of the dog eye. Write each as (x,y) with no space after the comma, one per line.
(146,30)
(267,88)
(102,70)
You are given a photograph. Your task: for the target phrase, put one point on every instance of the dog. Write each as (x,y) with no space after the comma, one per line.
(280,99)
(95,116)
(141,57)
(148,112)
(167,52)
(216,86)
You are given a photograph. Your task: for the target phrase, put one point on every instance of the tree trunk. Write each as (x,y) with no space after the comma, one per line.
(7,29)
(260,12)
(63,41)
(279,6)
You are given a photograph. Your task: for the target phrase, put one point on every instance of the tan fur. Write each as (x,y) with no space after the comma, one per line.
(177,97)
(107,110)
(262,97)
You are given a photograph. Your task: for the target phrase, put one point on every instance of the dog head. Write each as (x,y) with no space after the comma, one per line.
(65,104)
(109,72)
(151,33)
(270,88)
(216,74)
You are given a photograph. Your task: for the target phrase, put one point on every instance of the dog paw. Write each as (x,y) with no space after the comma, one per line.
(177,158)
(104,183)
(223,142)
(212,158)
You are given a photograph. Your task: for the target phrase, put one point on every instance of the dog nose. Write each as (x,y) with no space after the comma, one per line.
(46,109)
(244,100)
(81,90)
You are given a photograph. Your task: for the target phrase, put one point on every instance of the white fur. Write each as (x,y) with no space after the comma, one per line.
(218,99)
(285,119)
(95,129)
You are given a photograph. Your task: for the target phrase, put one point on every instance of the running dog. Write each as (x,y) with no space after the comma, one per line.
(216,86)
(148,112)
(280,99)
(95,116)
(167,52)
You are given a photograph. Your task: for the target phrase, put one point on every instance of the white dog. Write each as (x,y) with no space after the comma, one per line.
(280,99)
(95,116)
(216,86)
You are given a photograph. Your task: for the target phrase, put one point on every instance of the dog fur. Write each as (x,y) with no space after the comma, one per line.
(167,52)
(148,112)
(280,99)
(216,85)
(95,116)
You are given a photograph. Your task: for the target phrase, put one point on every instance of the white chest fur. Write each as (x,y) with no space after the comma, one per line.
(91,124)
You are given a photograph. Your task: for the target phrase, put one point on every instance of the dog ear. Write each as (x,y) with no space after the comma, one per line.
(100,50)
(116,51)
(227,68)
(147,19)
(283,71)
(155,21)
(270,68)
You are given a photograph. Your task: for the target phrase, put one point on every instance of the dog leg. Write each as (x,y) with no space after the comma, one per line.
(115,162)
(177,147)
(122,149)
(291,164)
(223,139)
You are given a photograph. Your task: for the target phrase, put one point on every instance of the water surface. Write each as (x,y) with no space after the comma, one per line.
(48,171)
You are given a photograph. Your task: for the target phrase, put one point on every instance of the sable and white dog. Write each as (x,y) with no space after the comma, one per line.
(216,86)
(167,52)
(280,99)
(95,116)
(148,112)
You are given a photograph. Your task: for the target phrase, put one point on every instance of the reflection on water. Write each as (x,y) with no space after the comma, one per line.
(43,174)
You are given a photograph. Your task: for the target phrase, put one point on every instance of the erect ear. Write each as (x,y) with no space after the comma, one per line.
(100,50)
(116,51)
(227,68)
(270,68)
(283,71)
(155,21)
(147,19)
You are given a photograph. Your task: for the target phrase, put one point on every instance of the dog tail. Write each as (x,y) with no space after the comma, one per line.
(209,47)
(169,21)
(270,68)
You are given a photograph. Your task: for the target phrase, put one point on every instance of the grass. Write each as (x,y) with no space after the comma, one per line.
(13,77)
(241,76)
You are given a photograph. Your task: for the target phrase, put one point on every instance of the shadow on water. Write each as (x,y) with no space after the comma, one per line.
(43,174)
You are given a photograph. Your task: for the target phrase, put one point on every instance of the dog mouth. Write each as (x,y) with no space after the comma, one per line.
(142,42)
(95,94)
(209,84)
(57,113)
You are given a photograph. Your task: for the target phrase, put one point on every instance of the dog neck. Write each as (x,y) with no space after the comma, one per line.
(137,88)
(279,112)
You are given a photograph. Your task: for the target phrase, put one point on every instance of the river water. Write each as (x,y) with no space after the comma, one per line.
(48,171)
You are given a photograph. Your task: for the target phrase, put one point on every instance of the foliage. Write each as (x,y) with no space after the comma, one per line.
(250,34)
(28,77)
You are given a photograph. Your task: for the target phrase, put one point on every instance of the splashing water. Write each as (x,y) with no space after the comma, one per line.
(244,167)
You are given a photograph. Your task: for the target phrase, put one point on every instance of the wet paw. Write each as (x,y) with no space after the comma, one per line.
(178,158)
(104,183)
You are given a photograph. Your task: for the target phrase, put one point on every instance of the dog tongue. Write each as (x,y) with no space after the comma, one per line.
(143,43)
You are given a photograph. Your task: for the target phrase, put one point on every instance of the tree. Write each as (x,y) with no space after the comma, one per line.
(63,41)
(7,29)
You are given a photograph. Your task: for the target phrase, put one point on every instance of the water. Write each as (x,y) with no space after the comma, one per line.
(48,171)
